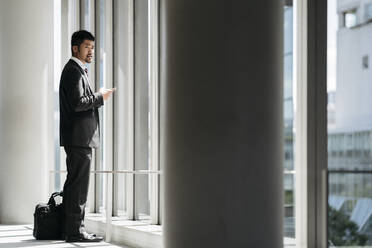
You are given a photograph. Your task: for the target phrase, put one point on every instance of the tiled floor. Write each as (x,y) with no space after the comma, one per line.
(20,236)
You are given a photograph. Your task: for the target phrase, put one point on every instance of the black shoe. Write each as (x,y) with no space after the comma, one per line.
(84,237)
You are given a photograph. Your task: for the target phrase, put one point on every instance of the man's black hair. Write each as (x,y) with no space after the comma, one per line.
(79,37)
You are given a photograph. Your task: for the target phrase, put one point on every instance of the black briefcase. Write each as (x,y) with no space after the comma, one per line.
(48,220)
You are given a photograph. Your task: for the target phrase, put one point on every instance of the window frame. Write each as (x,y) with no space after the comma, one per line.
(311,126)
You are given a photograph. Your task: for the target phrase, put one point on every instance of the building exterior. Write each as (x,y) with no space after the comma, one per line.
(350,116)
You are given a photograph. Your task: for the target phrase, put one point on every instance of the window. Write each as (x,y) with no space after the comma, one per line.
(349,165)
(126,177)
(289,171)
(368,12)
(69,22)
(103,55)
(123,109)
(350,18)
(365,62)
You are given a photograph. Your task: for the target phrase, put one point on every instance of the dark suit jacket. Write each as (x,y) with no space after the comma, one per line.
(79,120)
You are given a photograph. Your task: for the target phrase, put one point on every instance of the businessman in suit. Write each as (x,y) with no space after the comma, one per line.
(79,133)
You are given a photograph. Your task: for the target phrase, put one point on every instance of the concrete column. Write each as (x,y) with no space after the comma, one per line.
(221,123)
(26,107)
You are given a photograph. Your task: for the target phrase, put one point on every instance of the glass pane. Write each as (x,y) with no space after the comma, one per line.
(368,11)
(86,15)
(349,124)
(69,15)
(350,209)
(87,12)
(120,199)
(142,112)
(142,199)
(289,219)
(123,110)
(101,53)
(58,183)
(350,19)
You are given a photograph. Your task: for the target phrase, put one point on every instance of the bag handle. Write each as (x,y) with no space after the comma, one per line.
(51,201)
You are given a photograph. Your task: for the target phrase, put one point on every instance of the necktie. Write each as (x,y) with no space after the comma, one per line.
(86,71)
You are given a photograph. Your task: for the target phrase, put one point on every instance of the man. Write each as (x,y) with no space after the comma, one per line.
(79,133)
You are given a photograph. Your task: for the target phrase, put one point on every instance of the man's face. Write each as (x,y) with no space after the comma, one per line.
(86,51)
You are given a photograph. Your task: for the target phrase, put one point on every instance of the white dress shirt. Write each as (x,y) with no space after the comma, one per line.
(81,65)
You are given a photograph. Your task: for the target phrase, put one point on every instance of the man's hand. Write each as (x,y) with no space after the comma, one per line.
(106,93)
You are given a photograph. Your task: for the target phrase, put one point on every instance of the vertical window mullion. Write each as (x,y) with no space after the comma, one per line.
(129,186)
(300,77)
(311,128)
(154,113)
(97,86)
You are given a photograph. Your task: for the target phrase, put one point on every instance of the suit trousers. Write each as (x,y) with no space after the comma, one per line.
(75,189)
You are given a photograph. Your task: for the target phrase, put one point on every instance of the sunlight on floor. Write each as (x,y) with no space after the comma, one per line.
(20,236)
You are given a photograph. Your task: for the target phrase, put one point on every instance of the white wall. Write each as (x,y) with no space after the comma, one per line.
(354,83)
(26,84)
